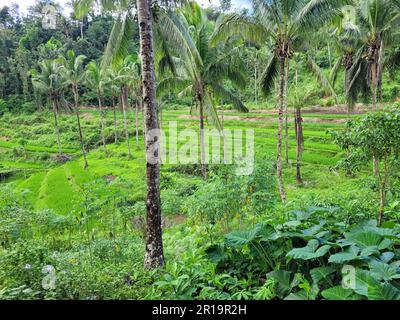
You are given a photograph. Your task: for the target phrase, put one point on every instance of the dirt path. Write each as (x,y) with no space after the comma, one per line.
(250,118)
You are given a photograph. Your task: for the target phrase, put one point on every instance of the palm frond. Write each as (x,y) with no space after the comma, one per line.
(239,25)
(118,41)
(322,79)
(269,74)
(228,96)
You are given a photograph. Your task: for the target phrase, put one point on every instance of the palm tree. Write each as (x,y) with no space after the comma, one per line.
(123,76)
(113,90)
(95,78)
(287,23)
(72,66)
(154,247)
(117,48)
(345,36)
(200,69)
(379,20)
(134,80)
(51,83)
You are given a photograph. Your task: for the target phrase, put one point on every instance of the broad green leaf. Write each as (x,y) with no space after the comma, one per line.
(310,251)
(350,255)
(240,238)
(383,271)
(369,251)
(365,239)
(386,256)
(383,291)
(363,281)
(340,293)
(265,231)
(317,274)
(285,280)
(301,295)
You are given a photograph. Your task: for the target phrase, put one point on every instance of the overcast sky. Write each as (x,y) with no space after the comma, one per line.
(24,4)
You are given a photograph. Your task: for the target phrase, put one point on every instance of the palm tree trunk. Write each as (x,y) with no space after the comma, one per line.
(161,113)
(222,115)
(154,256)
(76,100)
(103,139)
(379,72)
(143,122)
(374,75)
(286,114)
(115,119)
(124,102)
(299,143)
(382,192)
(81,27)
(137,123)
(202,147)
(57,129)
(280,126)
(255,80)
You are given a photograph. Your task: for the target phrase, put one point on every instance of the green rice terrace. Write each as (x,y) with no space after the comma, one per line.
(28,152)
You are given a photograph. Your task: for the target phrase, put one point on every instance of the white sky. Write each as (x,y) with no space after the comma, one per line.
(24,4)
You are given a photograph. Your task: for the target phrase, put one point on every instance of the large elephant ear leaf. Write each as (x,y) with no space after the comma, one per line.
(265,231)
(286,282)
(384,271)
(240,238)
(310,251)
(363,281)
(383,291)
(350,254)
(340,293)
(321,273)
(300,295)
(365,239)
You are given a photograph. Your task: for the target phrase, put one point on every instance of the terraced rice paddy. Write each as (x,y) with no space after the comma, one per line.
(54,186)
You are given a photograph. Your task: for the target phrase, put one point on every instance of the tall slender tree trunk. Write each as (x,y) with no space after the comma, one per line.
(115,119)
(286,113)
(143,123)
(255,80)
(76,100)
(222,115)
(280,126)
(202,147)
(299,143)
(154,256)
(103,139)
(124,102)
(81,27)
(137,124)
(382,191)
(56,128)
(374,75)
(379,72)
(160,106)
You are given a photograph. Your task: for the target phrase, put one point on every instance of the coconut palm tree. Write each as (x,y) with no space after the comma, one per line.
(379,21)
(117,47)
(345,37)
(72,68)
(132,67)
(201,69)
(287,23)
(95,79)
(112,88)
(49,81)
(123,76)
